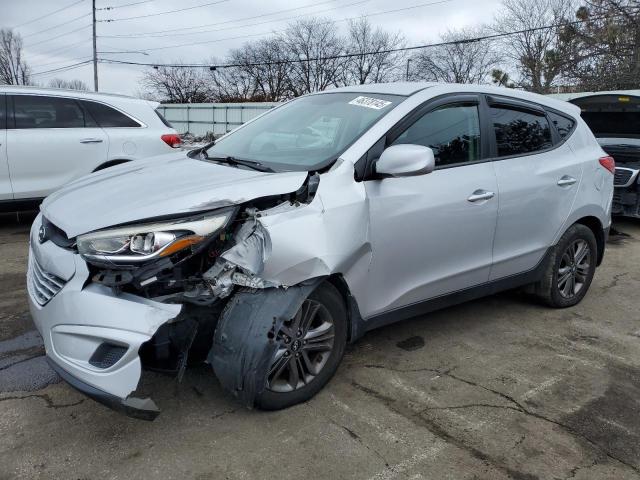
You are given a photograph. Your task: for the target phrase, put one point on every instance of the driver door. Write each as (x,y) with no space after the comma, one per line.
(433,234)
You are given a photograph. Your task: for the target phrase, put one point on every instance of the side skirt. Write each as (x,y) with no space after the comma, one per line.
(455,298)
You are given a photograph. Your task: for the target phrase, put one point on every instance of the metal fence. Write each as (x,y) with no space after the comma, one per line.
(217,118)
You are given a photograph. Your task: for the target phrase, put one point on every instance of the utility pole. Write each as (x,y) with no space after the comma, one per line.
(406,77)
(95,50)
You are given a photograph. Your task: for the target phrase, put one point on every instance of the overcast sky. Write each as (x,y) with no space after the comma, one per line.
(223,26)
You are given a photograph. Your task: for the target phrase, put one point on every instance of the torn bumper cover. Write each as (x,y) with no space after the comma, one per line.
(91,335)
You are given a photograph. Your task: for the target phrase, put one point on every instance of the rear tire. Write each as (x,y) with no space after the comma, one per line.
(570,268)
(312,345)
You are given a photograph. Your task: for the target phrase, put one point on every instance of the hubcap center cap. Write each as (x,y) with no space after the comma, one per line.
(295,346)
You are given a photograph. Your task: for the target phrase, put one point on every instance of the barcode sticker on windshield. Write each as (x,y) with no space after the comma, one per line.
(369,102)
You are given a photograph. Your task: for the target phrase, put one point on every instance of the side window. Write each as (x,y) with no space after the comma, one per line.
(451,131)
(108,117)
(563,124)
(47,112)
(519,131)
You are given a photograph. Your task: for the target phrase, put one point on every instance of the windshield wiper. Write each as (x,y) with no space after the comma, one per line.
(245,163)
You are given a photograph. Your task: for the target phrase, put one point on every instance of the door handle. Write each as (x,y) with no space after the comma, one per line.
(91,140)
(566,180)
(479,195)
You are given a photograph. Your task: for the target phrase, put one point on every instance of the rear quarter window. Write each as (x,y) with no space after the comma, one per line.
(108,117)
(564,125)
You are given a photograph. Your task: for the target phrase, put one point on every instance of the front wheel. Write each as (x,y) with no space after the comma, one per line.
(571,268)
(311,346)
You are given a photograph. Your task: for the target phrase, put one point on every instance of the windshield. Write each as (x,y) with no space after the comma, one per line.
(308,133)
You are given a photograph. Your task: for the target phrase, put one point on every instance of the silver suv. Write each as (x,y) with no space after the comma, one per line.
(265,253)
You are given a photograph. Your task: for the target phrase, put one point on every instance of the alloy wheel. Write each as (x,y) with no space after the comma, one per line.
(305,345)
(574,268)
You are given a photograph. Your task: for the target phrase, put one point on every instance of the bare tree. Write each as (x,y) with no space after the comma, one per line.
(459,60)
(267,63)
(68,84)
(233,84)
(13,69)
(536,52)
(374,61)
(605,45)
(178,84)
(315,48)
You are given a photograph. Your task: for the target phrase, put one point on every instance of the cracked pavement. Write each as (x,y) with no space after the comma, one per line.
(493,389)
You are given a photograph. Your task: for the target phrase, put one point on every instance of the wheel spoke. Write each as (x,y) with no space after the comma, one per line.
(320,333)
(318,347)
(562,280)
(309,317)
(301,370)
(310,367)
(294,376)
(582,250)
(278,366)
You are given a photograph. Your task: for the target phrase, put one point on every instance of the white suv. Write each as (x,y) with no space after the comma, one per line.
(49,137)
(328,216)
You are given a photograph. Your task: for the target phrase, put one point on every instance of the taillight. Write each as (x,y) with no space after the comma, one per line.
(609,163)
(171,139)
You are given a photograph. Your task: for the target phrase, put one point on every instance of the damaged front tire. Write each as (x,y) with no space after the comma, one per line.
(259,327)
(311,346)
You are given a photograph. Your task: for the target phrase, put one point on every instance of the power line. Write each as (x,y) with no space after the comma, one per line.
(154,33)
(232,27)
(49,14)
(63,69)
(358,54)
(66,60)
(205,42)
(165,12)
(125,5)
(56,26)
(59,49)
(57,36)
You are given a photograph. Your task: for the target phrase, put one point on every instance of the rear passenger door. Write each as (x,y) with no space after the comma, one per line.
(538,177)
(50,141)
(6,192)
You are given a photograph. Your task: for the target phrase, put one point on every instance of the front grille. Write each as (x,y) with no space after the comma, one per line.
(106,355)
(42,285)
(624,177)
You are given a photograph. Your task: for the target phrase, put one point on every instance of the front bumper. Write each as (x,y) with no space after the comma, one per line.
(81,318)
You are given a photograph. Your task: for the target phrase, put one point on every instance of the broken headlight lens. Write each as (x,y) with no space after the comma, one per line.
(138,243)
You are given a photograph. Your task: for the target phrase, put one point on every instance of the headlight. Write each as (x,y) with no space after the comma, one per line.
(139,243)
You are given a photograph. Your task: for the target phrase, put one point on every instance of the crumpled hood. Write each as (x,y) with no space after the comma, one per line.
(164,185)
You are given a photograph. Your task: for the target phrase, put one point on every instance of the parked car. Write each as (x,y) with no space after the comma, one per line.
(614,118)
(267,261)
(49,137)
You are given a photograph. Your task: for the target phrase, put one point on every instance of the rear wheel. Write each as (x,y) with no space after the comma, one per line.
(571,268)
(311,346)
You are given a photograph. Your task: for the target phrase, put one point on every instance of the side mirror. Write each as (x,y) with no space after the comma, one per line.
(405,160)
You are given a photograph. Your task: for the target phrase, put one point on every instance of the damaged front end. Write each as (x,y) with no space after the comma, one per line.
(206,265)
